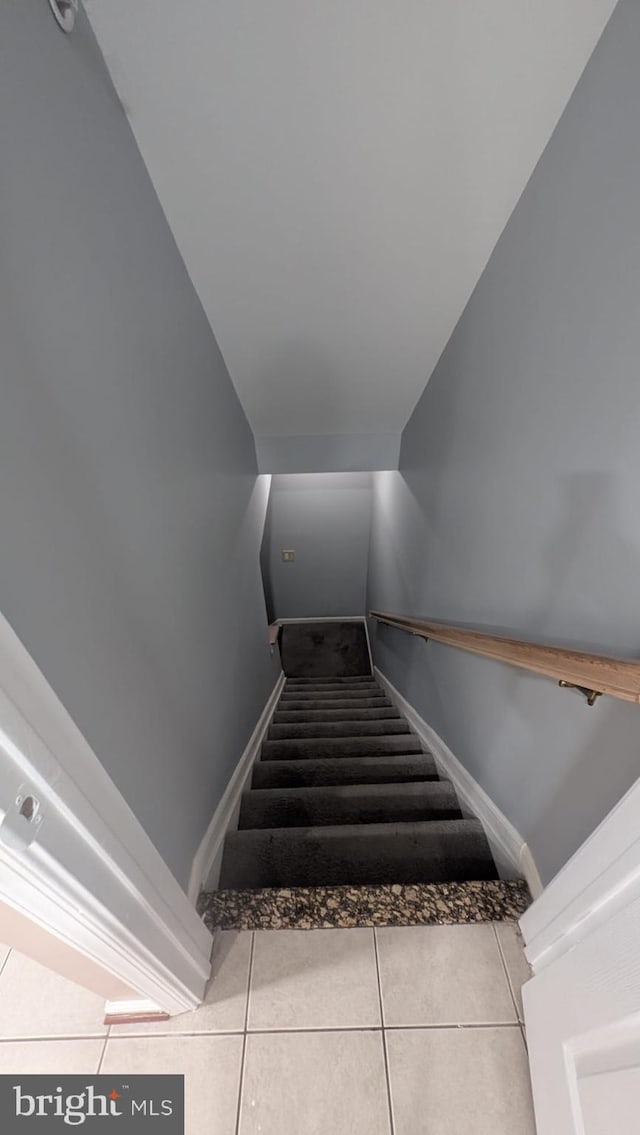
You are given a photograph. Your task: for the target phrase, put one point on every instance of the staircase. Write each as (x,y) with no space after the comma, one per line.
(344,794)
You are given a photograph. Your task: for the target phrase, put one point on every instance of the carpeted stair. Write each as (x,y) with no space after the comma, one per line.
(344,793)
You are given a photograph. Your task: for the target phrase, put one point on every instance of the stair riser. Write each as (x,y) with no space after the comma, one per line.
(338,729)
(344,770)
(285,717)
(293,705)
(331,695)
(340,747)
(365,679)
(377,853)
(325,688)
(359,804)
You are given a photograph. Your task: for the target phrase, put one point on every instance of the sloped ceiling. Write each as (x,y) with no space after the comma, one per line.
(336,174)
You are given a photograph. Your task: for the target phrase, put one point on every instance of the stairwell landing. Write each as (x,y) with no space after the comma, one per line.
(347,821)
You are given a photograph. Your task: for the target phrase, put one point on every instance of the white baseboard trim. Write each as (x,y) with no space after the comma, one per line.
(133,1011)
(509,849)
(223,818)
(368,638)
(530,871)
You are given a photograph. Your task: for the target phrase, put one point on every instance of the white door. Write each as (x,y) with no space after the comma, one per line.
(73,857)
(582,1007)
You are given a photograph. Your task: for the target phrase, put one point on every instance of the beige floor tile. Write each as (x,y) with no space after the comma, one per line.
(518,968)
(211,1067)
(458,1081)
(36,1002)
(442,975)
(225,1003)
(46,1057)
(306,979)
(327,1083)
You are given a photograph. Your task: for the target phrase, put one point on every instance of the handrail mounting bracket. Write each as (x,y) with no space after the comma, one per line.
(591,695)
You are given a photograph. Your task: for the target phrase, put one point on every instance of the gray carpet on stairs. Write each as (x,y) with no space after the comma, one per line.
(431,852)
(345,770)
(314,650)
(343,792)
(349,804)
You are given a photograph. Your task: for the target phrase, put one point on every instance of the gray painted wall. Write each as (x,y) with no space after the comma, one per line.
(330,453)
(130,510)
(326,519)
(516,503)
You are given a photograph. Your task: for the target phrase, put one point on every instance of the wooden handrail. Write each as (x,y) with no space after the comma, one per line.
(274,631)
(593,674)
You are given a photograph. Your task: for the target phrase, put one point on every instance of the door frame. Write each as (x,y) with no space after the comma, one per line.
(601,878)
(91,876)
(582,939)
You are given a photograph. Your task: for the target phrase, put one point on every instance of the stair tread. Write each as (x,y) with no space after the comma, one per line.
(385,713)
(340,746)
(369,832)
(331,683)
(426,851)
(346,770)
(354,681)
(334,703)
(330,694)
(373,905)
(332,677)
(439,787)
(321,688)
(348,804)
(318,730)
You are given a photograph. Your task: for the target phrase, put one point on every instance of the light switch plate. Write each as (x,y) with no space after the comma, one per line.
(288,555)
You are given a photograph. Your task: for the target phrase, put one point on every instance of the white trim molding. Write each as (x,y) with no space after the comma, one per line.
(513,856)
(600,879)
(129,1012)
(206,862)
(368,638)
(85,869)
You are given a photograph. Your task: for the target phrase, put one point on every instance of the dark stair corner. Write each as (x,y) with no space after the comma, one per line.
(344,796)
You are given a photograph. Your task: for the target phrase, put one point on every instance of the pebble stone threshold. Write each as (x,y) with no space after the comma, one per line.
(312,908)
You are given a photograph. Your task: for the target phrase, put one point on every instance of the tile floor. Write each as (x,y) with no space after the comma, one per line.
(399,1031)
